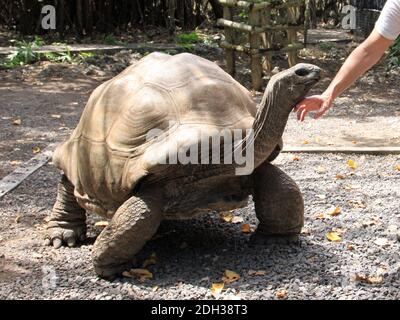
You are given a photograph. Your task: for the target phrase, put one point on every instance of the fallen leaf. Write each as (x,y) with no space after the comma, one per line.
(281,294)
(101,224)
(352,187)
(237,219)
(320,216)
(17,122)
(354,142)
(356,203)
(15,163)
(216,289)
(141,274)
(230,276)
(340,177)
(226,216)
(333,237)
(305,231)
(257,272)
(152,259)
(17,219)
(383,242)
(305,142)
(351,164)
(350,247)
(246,228)
(368,279)
(36,150)
(154,289)
(295,158)
(397,167)
(334,211)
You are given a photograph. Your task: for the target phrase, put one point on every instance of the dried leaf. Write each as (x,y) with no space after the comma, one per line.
(320,216)
(17,219)
(351,164)
(257,272)
(36,150)
(101,224)
(17,122)
(246,228)
(141,274)
(230,276)
(350,247)
(152,259)
(333,237)
(397,167)
(281,294)
(334,211)
(226,216)
(340,177)
(368,279)
(295,158)
(305,142)
(15,163)
(237,219)
(216,289)
(357,203)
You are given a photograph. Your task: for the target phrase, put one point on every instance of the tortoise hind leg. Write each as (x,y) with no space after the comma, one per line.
(279,205)
(133,224)
(67,223)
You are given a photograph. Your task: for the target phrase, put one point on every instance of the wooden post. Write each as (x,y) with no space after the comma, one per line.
(229,37)
(266,39)
(256,67)
(292,37)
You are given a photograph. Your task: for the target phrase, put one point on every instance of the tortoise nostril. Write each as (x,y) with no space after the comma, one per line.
(302,72)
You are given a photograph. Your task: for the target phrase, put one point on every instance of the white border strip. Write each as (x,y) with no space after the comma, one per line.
(14,179)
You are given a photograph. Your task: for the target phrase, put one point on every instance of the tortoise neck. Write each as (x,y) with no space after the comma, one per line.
(269,124)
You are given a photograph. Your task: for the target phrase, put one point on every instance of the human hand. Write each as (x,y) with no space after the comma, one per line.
(319,103)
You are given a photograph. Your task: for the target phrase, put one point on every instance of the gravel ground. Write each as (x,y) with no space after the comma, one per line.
(193,254)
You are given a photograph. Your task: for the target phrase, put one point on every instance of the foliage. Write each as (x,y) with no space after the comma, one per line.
(111,40)
(393,57)
(24,53)
(188,38)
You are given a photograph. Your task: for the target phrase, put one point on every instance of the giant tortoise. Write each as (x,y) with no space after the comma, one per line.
(112,166)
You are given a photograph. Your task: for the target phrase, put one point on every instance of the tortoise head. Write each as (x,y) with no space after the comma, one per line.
(290,86)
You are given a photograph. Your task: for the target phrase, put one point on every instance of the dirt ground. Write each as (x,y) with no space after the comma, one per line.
(42,103)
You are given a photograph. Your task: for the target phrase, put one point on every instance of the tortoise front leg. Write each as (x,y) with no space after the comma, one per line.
(67,224)
(133,224)
(278,203)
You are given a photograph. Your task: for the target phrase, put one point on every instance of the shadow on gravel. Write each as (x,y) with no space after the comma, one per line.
(197,252)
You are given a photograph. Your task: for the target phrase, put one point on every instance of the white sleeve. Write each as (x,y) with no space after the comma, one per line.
(388,24)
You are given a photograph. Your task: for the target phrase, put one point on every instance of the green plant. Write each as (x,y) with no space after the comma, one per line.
(188,38)
(326,46)
(111,40)
(24,53)
(393,56)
